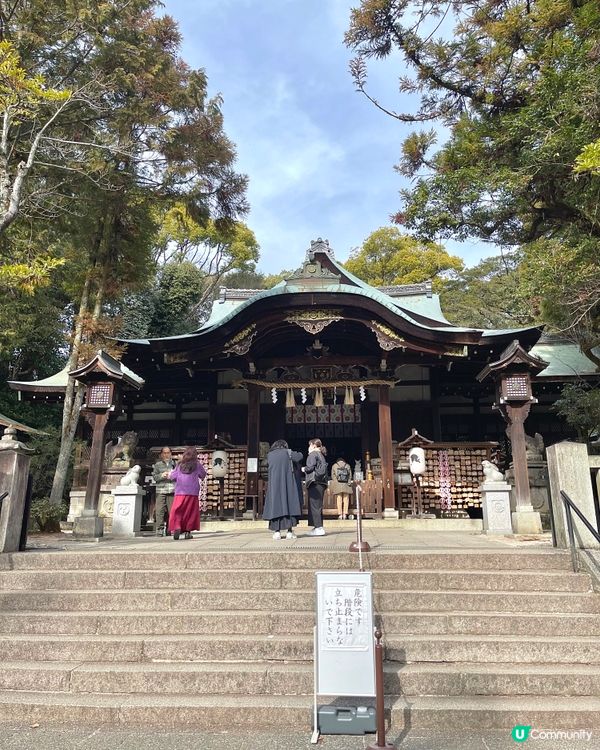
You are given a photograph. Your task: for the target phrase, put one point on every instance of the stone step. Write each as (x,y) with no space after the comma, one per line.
(126,648)
(243,580)
(296,679)
(278,623)
(218,712)
(290,600)
(309,559)
(245,648)
(493,648)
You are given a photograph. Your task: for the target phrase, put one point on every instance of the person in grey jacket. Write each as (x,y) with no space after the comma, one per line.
(165,489)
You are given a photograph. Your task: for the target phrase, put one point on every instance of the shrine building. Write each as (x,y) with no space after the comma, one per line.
(323,354)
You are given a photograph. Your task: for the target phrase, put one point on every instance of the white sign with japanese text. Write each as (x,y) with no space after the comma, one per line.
(345,644)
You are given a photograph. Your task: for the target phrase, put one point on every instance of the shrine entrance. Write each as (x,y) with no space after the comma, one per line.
(322,354)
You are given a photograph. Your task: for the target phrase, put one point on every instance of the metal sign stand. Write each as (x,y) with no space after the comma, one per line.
(315,735)
(343,638)
(359,545)
(379,698)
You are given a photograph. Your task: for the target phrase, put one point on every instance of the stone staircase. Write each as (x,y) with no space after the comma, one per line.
(214,640)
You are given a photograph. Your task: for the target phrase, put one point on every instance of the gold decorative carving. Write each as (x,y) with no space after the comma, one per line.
(386,337)
(240,344)
(314,321)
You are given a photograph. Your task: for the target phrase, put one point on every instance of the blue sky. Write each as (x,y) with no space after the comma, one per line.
(319,156)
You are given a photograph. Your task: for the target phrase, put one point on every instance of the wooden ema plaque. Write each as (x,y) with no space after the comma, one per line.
(452,477)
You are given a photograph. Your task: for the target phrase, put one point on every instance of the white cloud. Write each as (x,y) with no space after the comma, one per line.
(319,156)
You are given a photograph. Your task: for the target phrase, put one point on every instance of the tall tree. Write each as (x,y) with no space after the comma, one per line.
(388,256)
(170,147)
(216,248)
(491,294)
(517,83)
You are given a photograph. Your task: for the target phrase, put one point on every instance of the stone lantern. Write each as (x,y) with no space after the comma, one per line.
(104,378)
(512,375)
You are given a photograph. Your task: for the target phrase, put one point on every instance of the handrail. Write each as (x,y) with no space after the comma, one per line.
(570,506)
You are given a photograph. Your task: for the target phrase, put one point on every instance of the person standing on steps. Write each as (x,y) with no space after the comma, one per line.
(316,482)
(165,489)
(341,487)
(185,511)
(282,503)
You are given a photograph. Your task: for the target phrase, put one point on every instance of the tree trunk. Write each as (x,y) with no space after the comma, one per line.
(72,403)
(74,394)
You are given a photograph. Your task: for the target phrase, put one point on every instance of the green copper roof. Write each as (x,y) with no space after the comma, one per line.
(566,360)
(316,277)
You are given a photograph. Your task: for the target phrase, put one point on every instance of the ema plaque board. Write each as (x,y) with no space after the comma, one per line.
(345,650)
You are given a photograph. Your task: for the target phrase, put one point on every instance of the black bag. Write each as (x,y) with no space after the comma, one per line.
(343,474)
(321,475)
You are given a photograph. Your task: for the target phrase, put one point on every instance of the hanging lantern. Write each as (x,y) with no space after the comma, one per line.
(219,464)
(290,401)
(416,460)
(274,395)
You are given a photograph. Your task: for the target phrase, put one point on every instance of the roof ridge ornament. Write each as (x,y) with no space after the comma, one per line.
(319,246)
(313,273)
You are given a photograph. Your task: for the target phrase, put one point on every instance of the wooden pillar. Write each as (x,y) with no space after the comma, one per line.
(434,391)
(89,525)
(212,416)
(253,438)
(385,440)
(476,431)
(365,419)
(525,519)
(178,431)
(92,491)
(515,417)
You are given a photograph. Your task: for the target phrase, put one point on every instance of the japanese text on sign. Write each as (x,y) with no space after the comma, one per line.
(345,624)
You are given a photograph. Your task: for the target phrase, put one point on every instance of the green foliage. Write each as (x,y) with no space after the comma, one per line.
(492,294)
(37,414)
(580,406)
(215,247)
(244,279)
(517,84)
(23,96)
(589,158)
(179,291)
(389,257)
(45,516)
(562,275)
(275,278)
(43,462)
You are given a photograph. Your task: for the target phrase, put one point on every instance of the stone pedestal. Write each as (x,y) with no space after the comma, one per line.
(526,521)
(14,474)
(495,502)
(127,513)
(569,470)
(76,501)
(391,514)
(538,489)
(110,479)
(88,527)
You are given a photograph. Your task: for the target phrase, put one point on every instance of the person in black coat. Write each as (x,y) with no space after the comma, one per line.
(316,483)
(282,504)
